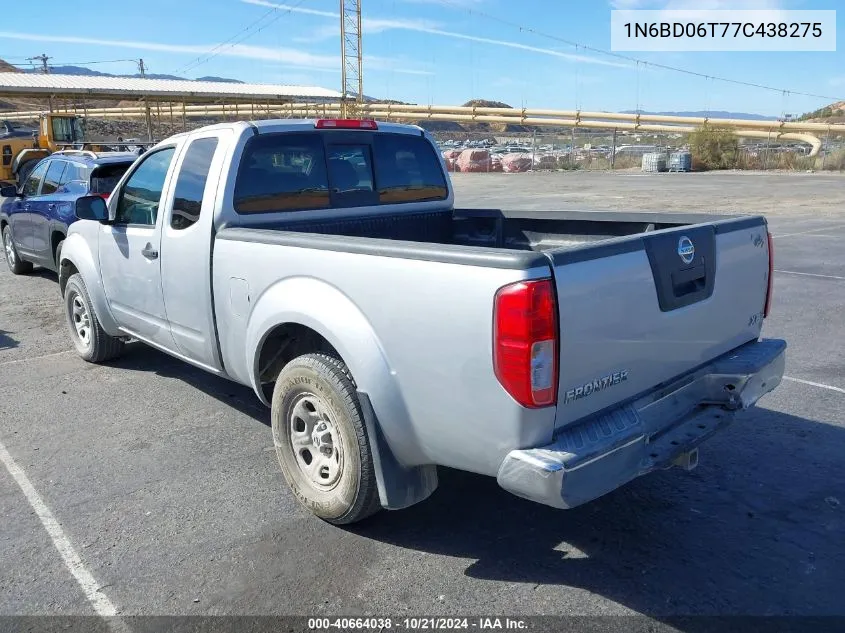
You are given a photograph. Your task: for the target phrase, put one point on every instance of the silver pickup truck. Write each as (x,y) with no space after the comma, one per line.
(323,264)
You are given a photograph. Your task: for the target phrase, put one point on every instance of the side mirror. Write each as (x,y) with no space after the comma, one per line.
(92,208)
(8,192)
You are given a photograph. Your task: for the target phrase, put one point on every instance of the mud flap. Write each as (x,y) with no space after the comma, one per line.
(398,486)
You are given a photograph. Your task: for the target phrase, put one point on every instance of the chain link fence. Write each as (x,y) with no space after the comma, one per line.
(581,149)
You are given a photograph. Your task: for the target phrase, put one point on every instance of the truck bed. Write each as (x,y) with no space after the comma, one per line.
(629,302)
(534,231)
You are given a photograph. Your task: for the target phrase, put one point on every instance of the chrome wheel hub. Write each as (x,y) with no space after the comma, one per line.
(315,441)
(81,320)
(10,250)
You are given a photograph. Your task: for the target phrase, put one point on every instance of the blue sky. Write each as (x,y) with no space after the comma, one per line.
(426,51)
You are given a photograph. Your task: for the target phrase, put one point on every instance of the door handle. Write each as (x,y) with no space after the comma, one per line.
(149,252)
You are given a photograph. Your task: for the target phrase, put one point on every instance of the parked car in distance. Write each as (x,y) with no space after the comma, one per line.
(34,218)
(323,264)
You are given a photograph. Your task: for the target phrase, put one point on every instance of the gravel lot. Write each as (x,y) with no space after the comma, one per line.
(164,480)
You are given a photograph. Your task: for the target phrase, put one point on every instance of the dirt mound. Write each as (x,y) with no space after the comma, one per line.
(438,126)
(6,67)
(483,103)
(834,113)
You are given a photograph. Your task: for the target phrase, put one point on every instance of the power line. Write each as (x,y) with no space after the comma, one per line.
(248,35)
(628,58)
(102,61)
(223,43)
(232,41)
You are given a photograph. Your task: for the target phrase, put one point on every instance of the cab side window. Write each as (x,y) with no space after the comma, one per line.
(140,197)
(33,182)
(190,186)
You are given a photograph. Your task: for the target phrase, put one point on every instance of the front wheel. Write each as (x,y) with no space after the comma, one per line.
(16,264)
(90,340)
(321,440)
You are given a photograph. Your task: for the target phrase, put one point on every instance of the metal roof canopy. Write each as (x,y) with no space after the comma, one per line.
(120,88)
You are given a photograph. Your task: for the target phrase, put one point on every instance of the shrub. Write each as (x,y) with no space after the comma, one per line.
(627,162)
(835,161)
(714,148)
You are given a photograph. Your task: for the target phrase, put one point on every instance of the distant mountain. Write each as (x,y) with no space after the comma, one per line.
(713,114)
(224,80)
(88,72)
(484,103)
(367,99)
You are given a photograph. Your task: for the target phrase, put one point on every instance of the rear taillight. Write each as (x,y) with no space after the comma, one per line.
(771,276)
(525,342)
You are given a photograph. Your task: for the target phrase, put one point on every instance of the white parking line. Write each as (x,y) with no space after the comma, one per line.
(29,358)
(102,605)
(827,228)
(815,384)
(793,272)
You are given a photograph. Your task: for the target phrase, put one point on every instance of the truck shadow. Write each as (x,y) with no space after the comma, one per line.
(6,341)
(757,529)
(140,357)
(43,273)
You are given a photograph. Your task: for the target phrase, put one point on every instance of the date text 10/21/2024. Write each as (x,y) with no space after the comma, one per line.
(417,624)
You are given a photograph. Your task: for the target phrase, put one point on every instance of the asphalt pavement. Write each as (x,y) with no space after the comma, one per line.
(164,481)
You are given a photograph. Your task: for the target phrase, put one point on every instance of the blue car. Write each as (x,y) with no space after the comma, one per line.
(34,218)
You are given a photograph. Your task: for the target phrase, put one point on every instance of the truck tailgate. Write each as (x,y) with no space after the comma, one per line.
(635,312)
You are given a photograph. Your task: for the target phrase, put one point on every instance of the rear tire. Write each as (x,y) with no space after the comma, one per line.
(59,255)
(16,264)
(321,440)
(90,340)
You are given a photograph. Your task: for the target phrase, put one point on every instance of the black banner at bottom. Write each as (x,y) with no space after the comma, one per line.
(383,624)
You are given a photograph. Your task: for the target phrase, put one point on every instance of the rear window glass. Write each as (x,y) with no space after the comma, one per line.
(282,172)
(105,177)
(350,168)
(75,172)
(298,171)
(351,175)
(407,169)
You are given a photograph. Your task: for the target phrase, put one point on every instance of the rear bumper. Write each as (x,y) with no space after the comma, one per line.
(658,430)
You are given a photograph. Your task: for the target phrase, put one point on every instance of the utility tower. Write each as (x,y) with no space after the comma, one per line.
(351,57)
(142,70)
(43,59)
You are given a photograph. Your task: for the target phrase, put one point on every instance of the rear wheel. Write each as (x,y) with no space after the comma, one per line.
(16,264)
(58,254)
(321,440)
(91,341)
